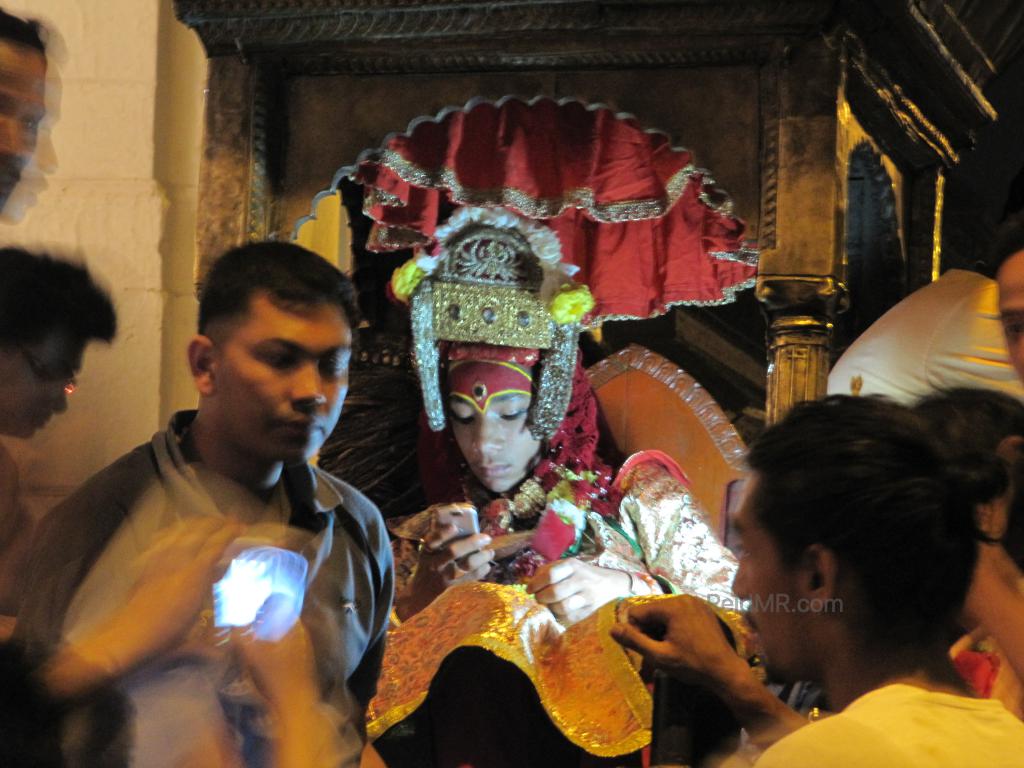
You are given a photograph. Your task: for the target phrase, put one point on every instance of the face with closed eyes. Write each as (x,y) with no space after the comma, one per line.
(488,404)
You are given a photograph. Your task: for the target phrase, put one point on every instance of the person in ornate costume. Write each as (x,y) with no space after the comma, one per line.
(513,432)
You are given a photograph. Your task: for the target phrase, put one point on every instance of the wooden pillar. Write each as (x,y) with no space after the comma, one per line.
(797,285)
(224,168)
(800,312)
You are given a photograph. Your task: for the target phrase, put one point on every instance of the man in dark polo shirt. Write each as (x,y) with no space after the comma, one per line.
(270,363)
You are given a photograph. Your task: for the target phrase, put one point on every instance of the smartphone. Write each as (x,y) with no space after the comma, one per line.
(264,581)
(462,516)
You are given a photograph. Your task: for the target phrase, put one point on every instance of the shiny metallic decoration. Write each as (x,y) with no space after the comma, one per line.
(488,290)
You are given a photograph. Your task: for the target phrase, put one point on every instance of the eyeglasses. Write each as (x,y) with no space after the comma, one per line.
(43,371)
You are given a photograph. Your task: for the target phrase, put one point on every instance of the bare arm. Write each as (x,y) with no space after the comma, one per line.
(177,574)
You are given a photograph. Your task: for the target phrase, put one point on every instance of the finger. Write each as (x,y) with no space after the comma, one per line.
(452,573)
(454,553)
(631,637)
(467,546)
(243,639)
(275,618)
(477,573)
(192,533)
(217,540)
(174,544)
(659,612)
(552,573)
(437,538)
(555,593)
(569,605)
(205,557)
(476,560)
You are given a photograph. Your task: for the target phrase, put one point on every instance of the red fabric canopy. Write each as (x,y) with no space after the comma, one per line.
(647,228)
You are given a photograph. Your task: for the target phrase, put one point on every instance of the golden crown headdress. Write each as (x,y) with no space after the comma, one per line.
(496,278)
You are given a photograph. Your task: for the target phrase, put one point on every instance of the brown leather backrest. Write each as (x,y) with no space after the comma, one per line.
(649,403)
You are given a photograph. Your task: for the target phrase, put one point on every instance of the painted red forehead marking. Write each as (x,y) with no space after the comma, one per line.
(480,381)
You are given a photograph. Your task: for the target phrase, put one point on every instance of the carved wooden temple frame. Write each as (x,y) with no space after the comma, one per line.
(773,96)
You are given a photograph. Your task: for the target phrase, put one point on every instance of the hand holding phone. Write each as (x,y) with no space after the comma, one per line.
(462,516)
(452,552)
(261,581)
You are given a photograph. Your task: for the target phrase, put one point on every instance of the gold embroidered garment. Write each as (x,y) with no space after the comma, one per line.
(671,530)
(587,683)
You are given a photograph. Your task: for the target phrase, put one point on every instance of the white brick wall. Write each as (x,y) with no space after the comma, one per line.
(123,196)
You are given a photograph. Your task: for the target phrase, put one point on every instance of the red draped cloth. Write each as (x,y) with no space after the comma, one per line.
(647,228)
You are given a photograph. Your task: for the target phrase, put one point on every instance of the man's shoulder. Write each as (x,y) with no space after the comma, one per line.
(109,492)
(124,477)
(839,742)
(900,725)
(355,501)
(360,508)
(72,535)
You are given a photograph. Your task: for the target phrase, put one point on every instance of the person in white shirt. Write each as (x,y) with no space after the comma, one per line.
(858,545)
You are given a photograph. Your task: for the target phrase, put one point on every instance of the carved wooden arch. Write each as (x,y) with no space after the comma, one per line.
(650,403)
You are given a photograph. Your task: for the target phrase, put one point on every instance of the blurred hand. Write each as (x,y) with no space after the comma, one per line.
(176,578)
(447,557)
(573,589)
(283,670)
(681,636)
(306,733)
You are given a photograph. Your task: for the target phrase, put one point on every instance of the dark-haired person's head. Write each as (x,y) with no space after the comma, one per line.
(856,533)
(22,106)
(49,310)
(272,354)
(289,275)
(971,422)
(1006,263)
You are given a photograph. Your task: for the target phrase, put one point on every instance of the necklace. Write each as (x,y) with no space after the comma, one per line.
(529,501)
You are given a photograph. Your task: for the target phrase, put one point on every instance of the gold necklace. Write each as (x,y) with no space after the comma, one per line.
(530,500)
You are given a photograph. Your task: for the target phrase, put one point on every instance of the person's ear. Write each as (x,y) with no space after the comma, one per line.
(1011,449)
(202,362)
(819,572)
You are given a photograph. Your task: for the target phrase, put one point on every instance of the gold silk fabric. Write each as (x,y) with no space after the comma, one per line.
(672,531)
(588,685)
(586,682)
